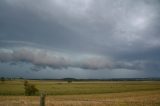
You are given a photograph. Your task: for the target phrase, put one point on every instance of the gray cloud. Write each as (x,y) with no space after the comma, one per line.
(131,25)
(44,58)
(86,34)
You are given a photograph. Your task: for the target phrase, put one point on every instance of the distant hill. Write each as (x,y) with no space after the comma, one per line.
(109,79)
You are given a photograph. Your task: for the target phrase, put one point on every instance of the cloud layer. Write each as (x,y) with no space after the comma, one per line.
(43,58)
(82,34)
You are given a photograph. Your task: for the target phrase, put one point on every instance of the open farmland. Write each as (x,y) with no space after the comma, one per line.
(89,93)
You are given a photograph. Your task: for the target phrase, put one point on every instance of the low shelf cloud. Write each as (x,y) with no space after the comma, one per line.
(57,60)
(42,58)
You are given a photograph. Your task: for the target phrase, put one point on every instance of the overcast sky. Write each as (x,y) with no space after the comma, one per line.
(80,38)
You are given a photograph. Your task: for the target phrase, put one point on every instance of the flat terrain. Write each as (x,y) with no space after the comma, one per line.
(89,93)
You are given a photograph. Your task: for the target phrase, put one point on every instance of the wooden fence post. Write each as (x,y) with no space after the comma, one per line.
(42,99)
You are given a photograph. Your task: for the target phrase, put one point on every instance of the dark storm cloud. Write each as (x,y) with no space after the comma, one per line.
(129,24)
(124,34)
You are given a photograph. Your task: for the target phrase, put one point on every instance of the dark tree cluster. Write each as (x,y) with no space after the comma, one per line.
(30,89)
(2,79)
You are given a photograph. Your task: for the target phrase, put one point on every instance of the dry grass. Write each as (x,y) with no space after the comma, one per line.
(139,98)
